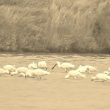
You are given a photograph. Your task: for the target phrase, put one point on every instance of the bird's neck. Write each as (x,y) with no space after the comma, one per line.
(59,64)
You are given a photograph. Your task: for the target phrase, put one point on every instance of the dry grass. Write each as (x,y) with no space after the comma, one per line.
(55,25)
(80,25)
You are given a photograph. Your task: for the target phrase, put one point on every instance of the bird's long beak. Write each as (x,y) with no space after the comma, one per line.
(54,66)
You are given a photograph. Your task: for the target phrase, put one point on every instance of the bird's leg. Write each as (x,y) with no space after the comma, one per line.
(66,70)
(40,77)
(37,77)
(32,77)
(9,73)
(25,76)
(73,77)
(46,68)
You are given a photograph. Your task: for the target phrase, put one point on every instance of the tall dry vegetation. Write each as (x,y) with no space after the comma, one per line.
(55,25)
(23,25)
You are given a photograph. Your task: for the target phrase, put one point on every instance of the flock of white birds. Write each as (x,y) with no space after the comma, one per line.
(39,69)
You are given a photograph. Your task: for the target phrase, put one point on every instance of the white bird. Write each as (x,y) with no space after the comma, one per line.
(13,73)
(24,72)
(21,71)
(42,65)
(37,73)
(83,69)
(10,68)
(100,77)
(91,68)
(86,69)
(3,71)
(75,74)
(29,73)
(66,66)
(32,65)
